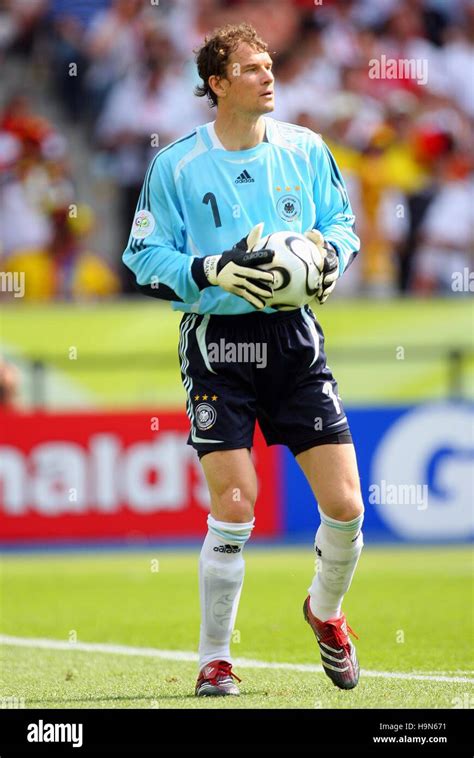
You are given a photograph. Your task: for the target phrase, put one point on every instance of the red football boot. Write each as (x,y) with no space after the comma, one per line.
(215,679)
(338,654)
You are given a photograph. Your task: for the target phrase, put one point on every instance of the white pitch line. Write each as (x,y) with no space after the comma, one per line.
(181,655)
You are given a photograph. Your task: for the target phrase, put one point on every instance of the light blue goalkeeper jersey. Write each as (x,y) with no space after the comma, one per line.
(200,199)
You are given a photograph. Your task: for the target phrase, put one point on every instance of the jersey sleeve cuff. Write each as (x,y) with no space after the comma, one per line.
(339,256)
(197,272)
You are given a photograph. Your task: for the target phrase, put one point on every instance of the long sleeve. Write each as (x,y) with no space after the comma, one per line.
(156,250)
(334,217)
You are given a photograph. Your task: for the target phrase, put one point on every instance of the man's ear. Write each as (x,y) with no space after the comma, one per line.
(219,85)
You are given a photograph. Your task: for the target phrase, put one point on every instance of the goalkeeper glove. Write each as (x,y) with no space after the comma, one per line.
(330,265)
(235,270)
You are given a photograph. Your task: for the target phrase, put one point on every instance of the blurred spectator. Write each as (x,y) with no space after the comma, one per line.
(68,66)
(9,385)
(23,180)
(66,269)
(441,219)
(20,22)
(43,232)
(112,47)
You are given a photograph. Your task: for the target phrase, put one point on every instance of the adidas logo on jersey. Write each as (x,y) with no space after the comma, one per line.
(244,178)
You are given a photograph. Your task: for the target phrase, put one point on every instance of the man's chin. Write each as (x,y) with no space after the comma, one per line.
(268,107)
(263,108)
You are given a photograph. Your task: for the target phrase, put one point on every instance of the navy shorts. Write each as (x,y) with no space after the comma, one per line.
(269,368)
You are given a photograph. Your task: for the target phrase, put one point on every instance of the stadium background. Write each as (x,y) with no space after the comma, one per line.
(93,428)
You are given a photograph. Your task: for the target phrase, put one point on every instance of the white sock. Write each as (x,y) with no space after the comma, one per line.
(338,545)
(221,575)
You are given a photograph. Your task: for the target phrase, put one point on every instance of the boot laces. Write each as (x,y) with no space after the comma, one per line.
(224,670)
(341,637)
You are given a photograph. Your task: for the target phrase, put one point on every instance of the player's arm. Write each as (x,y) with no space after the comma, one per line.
(155,251)
(333,231)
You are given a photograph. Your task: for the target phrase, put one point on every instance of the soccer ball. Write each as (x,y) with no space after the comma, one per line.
(296,268)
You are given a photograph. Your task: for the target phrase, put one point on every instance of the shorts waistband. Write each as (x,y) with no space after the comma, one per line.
(255,317)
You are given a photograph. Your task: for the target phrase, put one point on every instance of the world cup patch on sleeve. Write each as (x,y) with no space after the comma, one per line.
(143,224)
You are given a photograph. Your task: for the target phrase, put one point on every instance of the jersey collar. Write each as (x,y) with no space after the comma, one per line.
(217,144)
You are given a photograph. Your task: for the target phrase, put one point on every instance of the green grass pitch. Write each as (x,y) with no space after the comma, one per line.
(409,607)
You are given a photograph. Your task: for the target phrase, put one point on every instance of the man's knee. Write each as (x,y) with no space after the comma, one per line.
(233,503)
(346,505)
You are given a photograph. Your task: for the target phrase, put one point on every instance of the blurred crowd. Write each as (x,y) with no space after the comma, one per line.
(388,83)
(9,385)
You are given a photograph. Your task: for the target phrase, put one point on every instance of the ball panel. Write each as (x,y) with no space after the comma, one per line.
(297,278)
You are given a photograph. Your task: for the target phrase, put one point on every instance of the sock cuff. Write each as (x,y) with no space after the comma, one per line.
(344,526)
(238,533)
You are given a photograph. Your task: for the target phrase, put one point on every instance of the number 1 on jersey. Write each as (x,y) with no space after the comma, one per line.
(210,197)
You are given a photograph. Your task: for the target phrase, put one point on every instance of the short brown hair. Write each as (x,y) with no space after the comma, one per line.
(213,57)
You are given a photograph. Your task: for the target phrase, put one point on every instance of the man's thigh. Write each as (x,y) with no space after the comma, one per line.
(232,482)
(332,473)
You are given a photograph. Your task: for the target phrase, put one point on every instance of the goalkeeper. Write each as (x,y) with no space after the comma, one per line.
(200,211)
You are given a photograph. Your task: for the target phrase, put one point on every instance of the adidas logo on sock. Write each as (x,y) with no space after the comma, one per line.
(244,178)
(226,549)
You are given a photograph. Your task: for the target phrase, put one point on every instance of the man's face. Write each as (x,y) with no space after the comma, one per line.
(249,83)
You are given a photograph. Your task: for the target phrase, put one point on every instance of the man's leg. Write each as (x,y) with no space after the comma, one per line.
(331,470)
(232,483)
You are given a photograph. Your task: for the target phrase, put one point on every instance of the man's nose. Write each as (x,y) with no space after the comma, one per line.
(268,77)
